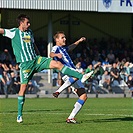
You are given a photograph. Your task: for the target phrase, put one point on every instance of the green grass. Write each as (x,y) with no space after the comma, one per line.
(48,115)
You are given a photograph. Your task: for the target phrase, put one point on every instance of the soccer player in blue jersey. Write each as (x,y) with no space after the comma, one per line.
(30,62)
(60,53)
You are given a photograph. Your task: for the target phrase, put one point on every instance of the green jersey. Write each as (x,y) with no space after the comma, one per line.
(22,44)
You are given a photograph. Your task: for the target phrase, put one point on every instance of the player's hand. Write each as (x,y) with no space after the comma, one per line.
(82,39)
(59,55)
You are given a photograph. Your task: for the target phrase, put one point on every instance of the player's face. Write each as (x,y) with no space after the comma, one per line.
(130,77)
(61,40)
(25,24)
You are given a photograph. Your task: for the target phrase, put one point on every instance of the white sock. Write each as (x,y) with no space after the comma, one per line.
(66,84)
(78,105)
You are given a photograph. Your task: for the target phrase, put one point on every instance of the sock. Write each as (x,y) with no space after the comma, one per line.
(78,105)
(21,100)
(71,72)
(66,84)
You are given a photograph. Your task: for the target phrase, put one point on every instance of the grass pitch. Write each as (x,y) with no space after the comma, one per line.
(48,115)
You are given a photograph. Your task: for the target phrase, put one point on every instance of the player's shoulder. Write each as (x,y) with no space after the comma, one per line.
(55,47)
(30,31)
(10,32)
(13,29)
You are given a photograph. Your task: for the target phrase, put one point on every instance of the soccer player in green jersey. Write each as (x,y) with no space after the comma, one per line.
(30,62)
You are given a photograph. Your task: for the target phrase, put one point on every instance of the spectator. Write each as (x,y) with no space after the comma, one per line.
(111,57)
(15,83)
(122,71)
(88,83)
(83,63)
(115,76)
(92,83)
(85,53)
(95,60)
(88,61)
(6,57)
(127,70)
(130,84)
(103,56)
(31,87)
(59,79)
(105,79)
(16,70)
(79,68)
(98,70)
(7,80)
(89,68)
(3,86)
(55,77)
(105,64)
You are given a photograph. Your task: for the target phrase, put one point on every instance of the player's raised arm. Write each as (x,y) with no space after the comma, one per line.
(1,31)
(72,46)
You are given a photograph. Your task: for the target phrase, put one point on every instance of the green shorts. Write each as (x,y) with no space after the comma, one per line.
(27,69)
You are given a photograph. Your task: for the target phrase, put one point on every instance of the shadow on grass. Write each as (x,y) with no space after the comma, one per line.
(43,110)
(33,123)
(36,110)
(110,120)
(88,121)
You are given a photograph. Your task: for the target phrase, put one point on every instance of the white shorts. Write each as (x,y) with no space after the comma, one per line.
(77,85)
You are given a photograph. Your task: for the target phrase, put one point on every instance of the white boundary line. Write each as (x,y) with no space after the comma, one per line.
(110,115)
(54,113)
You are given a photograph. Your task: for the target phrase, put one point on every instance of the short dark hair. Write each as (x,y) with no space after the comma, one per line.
(21,18)
(57,34)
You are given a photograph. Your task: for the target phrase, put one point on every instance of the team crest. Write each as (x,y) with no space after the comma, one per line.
(107,3)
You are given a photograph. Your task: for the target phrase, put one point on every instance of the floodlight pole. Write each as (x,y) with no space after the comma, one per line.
(50,44)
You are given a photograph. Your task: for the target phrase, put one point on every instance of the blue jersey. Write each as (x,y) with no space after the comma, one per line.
(65,60)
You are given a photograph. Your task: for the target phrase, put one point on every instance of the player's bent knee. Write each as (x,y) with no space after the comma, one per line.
(81,91)
(56,64)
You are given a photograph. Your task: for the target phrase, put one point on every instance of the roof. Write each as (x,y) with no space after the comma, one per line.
(70,5)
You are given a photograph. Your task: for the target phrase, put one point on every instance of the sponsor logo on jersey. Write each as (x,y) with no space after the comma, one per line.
(26,71)
(27,39)
(107,3)
(39,60)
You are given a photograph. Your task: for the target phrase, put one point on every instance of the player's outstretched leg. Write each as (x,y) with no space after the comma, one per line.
(86,76)
(73,73)
(67,83)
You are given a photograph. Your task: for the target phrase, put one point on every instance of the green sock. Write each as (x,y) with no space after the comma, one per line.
(70,72)
(21,100)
